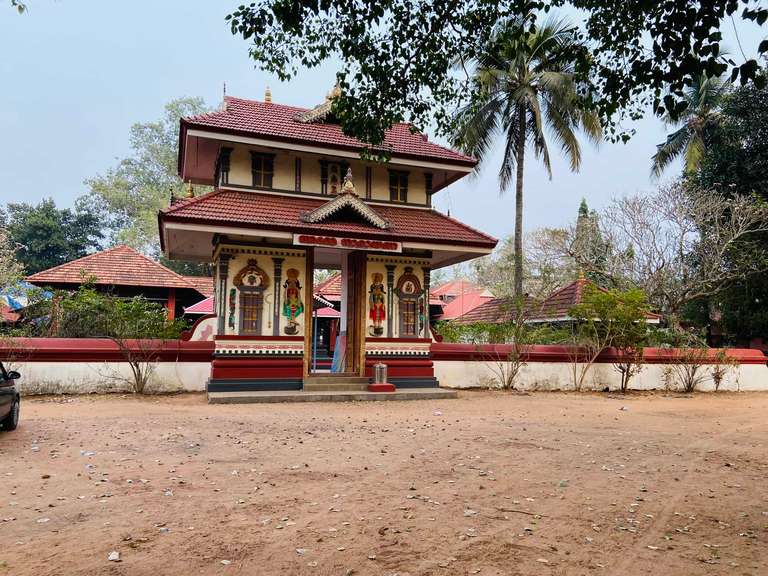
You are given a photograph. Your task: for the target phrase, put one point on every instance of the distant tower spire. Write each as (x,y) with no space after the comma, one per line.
(267,95)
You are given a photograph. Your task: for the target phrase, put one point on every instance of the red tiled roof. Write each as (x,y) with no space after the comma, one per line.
(8,316)
(493,311)
(202,307)
(235,208)
(327,312)
(120,266)
(279,122)
(463,304)
(555,308)
(330,288)
(458,286)
(203,284)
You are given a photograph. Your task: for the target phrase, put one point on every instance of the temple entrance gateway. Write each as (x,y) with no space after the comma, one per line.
(280,209)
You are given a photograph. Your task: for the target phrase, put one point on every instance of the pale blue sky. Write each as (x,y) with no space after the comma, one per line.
(74,75)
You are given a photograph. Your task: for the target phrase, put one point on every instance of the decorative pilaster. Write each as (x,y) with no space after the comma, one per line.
(221,295)
(427,273)
(278,275)
(390,296)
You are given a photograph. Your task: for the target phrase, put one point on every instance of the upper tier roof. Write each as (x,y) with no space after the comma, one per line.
(280,122)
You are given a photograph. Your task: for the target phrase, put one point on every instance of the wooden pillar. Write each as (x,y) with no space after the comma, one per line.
(427,272)
(171,303)
(309,280)
(221,292)
(361,279)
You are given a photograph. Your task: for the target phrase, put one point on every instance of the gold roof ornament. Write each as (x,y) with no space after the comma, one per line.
(190,190)
(321,112)
(267,95)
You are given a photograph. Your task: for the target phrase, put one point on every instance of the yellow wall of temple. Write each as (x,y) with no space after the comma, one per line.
(378,265)
(285,174)
(263,257)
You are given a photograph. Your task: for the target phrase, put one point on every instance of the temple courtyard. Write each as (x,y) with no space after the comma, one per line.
(488,484)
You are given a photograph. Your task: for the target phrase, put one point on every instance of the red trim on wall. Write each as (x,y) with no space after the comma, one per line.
(243,368)
(99,350)
(399,340)
(275,338)
(554,353)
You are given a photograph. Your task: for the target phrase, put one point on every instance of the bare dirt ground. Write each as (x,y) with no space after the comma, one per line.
(489,484)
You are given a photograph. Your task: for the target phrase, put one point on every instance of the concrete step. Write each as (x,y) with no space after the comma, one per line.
(335,383)
(334,387)
(328,396)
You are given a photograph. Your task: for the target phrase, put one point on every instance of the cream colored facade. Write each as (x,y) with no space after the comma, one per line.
(285,165)
(275,264)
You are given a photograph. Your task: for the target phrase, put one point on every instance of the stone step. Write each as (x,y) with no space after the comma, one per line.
(335,387)
(334,383)
(328,396)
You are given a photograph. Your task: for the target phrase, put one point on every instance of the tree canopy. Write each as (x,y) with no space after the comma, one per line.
(45,236)
(401,60)
(132,193)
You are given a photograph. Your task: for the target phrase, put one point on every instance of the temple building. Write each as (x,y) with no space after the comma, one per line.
(291,195)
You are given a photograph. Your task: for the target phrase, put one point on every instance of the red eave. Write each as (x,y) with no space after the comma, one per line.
(283,213)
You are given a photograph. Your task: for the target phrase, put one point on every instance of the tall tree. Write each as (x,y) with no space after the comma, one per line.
(11,270)
(45,236)
(737,162)
(524,87)
(133,192)
(693,126)
(396,56)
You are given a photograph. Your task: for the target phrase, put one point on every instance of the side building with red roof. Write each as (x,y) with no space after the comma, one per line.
(291,193)
(124,272)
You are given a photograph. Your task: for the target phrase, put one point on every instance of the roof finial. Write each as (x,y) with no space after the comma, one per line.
(190,190)
(581,274)
(267,95)
(348,187)
(225,89)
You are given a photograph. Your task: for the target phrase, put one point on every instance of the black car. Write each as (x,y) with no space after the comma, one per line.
(10,400)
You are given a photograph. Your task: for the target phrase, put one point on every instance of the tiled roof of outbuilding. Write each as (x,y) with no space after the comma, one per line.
(118,266)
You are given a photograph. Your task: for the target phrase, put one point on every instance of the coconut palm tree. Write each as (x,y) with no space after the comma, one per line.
(524,91)
(704,97)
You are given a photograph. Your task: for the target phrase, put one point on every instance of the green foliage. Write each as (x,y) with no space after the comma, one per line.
(45,236)
(398,57)
(140,185)
(502,333)
(11,270)
(133,324)
(695,125)
(609,318)
(737,161)
(88,313)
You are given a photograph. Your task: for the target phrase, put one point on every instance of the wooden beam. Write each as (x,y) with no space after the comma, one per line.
(309,281)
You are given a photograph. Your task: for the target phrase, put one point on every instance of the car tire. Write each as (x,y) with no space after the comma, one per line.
(11,421)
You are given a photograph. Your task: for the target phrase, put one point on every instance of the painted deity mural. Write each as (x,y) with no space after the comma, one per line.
(292,304)
(377,300)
